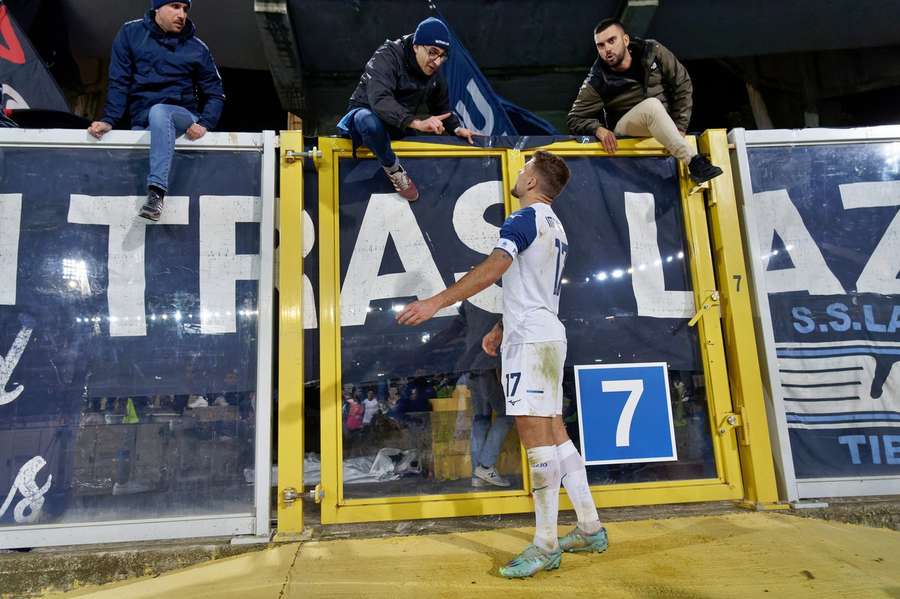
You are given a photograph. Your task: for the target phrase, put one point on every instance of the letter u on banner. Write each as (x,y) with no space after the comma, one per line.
(483,107)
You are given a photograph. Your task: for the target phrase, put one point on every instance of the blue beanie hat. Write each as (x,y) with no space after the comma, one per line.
(432,32)
(158,3)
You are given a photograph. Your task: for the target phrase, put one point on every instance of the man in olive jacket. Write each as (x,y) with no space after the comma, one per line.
(399,80)
(637,88)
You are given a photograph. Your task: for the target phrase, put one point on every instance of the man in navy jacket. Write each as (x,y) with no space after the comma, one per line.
(166,79)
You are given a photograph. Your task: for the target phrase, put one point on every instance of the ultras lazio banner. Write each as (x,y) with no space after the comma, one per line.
(98,303)
(626,294)
(829,228)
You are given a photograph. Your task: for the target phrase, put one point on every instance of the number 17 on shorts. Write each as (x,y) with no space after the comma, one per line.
(624,413)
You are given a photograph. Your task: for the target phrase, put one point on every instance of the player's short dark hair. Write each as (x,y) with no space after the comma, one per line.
(607,23)
(551,171)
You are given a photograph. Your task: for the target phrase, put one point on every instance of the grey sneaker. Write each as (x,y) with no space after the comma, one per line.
(153,207)
(403,184)
(488,476)
(578,541)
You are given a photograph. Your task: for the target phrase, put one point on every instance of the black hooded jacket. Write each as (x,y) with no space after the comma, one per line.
(395,88)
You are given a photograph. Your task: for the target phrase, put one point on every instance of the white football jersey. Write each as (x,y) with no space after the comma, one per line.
(535,239)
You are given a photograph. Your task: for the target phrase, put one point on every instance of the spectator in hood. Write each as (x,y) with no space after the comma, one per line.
(400,76)
(165,78)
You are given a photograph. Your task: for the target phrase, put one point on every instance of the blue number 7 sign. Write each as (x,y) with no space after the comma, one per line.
(624,413)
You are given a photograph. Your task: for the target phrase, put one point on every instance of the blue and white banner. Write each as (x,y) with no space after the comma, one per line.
(98,305)
(478,106)
(828,229)
(626,290)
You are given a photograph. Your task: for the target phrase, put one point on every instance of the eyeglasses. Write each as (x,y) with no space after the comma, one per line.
(436,56)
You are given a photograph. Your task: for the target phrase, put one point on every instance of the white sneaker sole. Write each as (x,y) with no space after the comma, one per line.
(483,482)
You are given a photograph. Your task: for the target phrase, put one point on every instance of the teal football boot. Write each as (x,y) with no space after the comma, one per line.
(530,562)
(578,541)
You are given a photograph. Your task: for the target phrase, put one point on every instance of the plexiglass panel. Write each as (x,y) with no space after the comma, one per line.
(413,413)
(128,348)
(422,407)
(626,299)
(827,231)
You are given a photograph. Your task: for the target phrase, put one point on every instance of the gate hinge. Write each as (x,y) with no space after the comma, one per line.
(735,421)
(729,421)
(696,188)
(289,495)
(711,300)
(292,156)
(317,494)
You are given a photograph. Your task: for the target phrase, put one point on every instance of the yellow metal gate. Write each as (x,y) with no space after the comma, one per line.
(734,411)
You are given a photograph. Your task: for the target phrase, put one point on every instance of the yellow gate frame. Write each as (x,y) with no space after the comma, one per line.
(724,418)
(289,264)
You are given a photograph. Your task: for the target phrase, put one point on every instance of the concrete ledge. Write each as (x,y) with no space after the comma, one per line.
(743,554)
(878,512)
(32,573)
(60,569)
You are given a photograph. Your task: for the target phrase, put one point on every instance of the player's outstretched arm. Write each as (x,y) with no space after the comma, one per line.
(477,279)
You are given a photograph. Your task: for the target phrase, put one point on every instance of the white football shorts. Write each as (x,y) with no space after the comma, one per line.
(532,378)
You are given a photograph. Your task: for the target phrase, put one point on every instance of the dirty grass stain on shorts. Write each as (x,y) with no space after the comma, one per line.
(548,363)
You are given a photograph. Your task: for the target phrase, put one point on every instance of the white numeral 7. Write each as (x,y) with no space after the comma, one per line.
(635,389)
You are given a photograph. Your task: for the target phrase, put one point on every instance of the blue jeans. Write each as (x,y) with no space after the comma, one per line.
(167,122)
(368,130)
(487,436)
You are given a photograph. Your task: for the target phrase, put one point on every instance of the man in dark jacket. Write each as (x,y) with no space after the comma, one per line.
(637,88)
(400,76)
(167,80)
(490,424)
